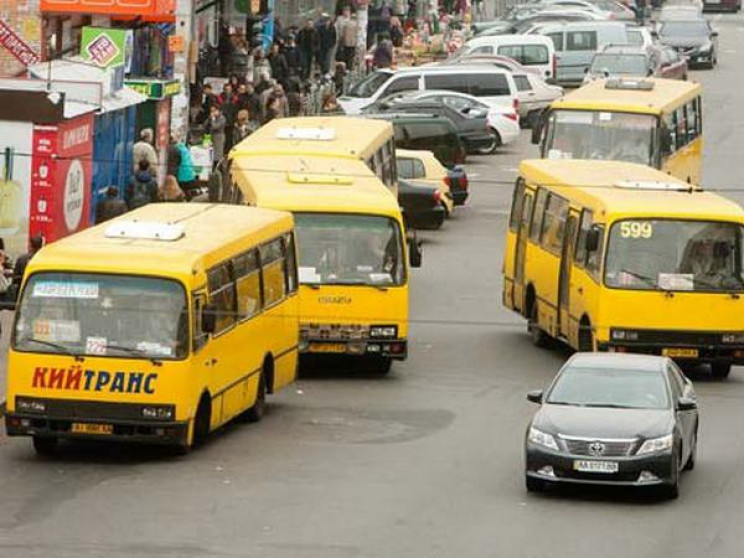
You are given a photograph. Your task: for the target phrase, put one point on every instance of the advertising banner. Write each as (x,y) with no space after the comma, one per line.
(15,167)
(106,48)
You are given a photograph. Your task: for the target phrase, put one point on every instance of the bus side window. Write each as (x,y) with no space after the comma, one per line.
(290,263)
(222,295)
(594,258)
(586,223)
(670,129)
(681,127)
(537,216)
(272,268)
(199,338)
(248,284)
(554,224)
(692,120)
(516,209)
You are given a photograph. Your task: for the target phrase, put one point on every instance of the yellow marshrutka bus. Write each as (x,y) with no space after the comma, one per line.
(620,257)
(336,137)
(655,122)
(353,254)
(156,327)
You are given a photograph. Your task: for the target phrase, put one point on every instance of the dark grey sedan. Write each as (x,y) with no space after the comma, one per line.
(628,420)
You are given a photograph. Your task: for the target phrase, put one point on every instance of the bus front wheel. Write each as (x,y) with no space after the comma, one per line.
(539,337)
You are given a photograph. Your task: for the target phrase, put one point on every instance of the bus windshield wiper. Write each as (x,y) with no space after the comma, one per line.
(648,280)
(135,351)
(58,346)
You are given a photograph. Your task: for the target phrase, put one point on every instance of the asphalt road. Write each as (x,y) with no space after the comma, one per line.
(424,463)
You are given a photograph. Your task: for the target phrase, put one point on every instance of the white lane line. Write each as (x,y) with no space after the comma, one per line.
(509,169)
(729,51)
(473,175)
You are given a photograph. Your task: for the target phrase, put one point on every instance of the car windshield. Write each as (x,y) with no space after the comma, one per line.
(684,29)
(614,136)
(620,64)
(349,250)
(102,315)
(370,84)
(605,387)
(648,254)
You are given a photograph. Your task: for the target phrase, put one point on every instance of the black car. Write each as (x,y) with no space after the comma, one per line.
(421,205)
(696,40)
(471,124)
(427,131)
(627,420)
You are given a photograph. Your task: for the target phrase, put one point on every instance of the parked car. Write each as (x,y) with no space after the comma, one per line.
(640,36)
(696,40)
(672,65)
(495,87)
(533,51)
(679,12)
(425,131)
(423,167)
(556,15)
(608,9)
(503,122)
(621,61)
(502,62)
(615,419)
(458,182)
(534,96)
(732,6)
(421,205)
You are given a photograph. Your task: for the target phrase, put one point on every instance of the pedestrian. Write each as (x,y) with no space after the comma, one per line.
(278,63)
(330,104)
(111,206)
(383,55)
(143,188)
(35,244)
(250,101)
(209,99)
(292,56)
(143,150)
(174,156)
(277,94)
(641,12)
(308,43)
(170,191)
(6,277)
(295,105)
(327,43)
(186,174)
(216,127)
(347,38)
(229,106)
(244,126)
(261,66)
(263,83)
(273,109)
(396,32)
(241,57)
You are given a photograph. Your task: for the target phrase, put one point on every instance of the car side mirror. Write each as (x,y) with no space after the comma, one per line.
(654,34)
(592,240)
(535,396)
(537,128)
(686,404)
(209,318)
(415,255)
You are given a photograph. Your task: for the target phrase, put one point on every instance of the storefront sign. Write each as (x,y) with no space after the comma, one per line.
(143,8)
(106,48)
(155,89)
(176,43)
(14,44)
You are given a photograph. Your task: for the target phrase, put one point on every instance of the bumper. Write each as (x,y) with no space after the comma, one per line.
(154,432)
(509,133)
(706,354)
(660,465)
(459,196)
(431,219)
(396,349)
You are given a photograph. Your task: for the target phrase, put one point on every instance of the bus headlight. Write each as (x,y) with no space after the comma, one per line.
(624,335)
(383,331)
(159,412)
(29,405)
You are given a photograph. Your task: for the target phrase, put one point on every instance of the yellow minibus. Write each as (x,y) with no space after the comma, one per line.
(157,327)
(653,121)
(615,256)
(352,251)
(337,137)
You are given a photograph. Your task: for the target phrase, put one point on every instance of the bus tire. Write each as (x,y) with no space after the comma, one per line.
(256,412)
(493,146)
(45,446)
(586,337)
(202,421)
(539,337)
(720,370)
(380,366)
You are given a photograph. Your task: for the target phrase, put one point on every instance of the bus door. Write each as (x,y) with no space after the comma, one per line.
(521,250)
(564,280)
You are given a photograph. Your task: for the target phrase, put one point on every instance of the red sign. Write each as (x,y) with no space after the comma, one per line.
(16,46)
(61,178)
(160,9)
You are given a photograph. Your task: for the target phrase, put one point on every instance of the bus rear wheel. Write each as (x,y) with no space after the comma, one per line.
(720,369)
(45,446)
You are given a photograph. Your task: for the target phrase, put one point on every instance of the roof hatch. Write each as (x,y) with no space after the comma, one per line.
(145,230)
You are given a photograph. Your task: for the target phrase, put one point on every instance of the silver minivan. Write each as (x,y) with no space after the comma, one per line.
(576,43)
(491,85)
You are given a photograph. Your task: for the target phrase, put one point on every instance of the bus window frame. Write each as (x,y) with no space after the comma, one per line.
(515,214)
(561,216)
(199,338)
(538,213)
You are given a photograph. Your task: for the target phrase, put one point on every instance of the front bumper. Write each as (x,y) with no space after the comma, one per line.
(429,219)
(146,432)
(660,465)
(396,349)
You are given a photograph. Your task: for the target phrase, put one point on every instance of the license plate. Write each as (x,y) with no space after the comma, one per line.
(327,347)
(680,353)
(584,466)
(91,428)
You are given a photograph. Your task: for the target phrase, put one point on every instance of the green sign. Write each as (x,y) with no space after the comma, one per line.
(106,48)
(154,89)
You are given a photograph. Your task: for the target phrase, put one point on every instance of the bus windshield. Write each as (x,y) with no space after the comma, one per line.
(671,255)
(102,315)
(340,249)
(614,136)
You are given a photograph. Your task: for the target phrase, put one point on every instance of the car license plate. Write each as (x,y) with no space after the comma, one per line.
(584,466)
(680,353)
(92,428)
(327,347)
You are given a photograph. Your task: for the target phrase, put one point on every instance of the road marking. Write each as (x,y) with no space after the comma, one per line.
(509,169)
(474,175)
(729,51)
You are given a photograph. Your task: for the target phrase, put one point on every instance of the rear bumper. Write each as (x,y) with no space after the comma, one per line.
(459,196)
(396,349)
(430,219)
(705,353)
(154,432)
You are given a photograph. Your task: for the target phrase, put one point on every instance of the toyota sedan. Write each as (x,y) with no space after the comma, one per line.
(627,420)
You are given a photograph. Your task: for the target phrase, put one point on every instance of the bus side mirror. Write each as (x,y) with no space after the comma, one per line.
(414,252)
(537,128)
(592,240)
(209,318)
(666,141)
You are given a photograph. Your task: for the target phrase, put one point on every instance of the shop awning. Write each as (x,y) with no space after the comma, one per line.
(152,10)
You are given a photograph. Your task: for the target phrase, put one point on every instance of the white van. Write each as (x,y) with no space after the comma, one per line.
(533,51)
(576,42)
(491,85)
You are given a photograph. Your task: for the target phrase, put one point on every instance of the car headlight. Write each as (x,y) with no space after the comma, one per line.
(159,412)
(383,331)
(656,445)
(705,48)
(29,405)
(540,438)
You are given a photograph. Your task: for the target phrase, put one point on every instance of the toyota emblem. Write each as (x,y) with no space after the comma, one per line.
(596,449)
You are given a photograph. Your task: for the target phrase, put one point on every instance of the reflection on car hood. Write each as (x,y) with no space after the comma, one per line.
(590,422)
(684,41)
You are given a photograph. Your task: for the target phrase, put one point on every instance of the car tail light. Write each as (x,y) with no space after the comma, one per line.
(448,181)
(555,66)
(515,105)
(511,116)
(437,196)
